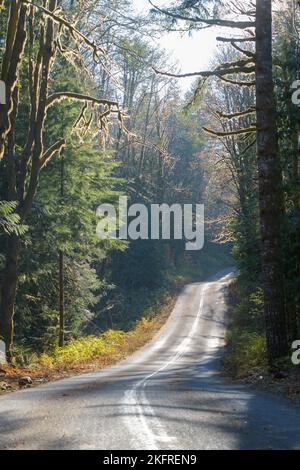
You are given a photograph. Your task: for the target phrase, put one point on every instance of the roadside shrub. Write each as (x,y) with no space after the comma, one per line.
(247,352)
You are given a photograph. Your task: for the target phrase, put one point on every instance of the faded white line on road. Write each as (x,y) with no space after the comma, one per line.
(136,405)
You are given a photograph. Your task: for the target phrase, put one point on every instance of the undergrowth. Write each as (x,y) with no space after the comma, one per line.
(246,342)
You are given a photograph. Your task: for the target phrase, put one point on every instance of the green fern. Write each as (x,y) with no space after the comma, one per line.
(9,220)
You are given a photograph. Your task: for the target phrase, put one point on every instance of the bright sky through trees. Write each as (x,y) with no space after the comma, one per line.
(193,53)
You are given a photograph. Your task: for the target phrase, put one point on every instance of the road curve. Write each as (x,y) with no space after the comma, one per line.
(169,395)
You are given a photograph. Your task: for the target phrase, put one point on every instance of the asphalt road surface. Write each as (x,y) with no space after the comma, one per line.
(169,395)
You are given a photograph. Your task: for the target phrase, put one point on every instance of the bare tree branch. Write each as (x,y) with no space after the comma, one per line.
(209,22)
(247,39)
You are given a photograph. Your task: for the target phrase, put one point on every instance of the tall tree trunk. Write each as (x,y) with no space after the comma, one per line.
(15,46)
(61,339)
(270,187)
(292,307)
(14,49)
(296,154)
(8,292)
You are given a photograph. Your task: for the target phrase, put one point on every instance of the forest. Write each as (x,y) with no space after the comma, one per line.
(94,110)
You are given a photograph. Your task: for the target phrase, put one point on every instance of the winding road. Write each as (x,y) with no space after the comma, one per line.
(169,395)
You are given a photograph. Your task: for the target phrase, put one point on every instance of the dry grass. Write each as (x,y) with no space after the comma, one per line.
(86,354)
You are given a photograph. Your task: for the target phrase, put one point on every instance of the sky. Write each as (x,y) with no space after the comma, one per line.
(193,53)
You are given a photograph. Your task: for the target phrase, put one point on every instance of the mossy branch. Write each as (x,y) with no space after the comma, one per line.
(248,83)
(75,33)
(219,72)
(238,114)
(55,148)
(68,95)
(220,134)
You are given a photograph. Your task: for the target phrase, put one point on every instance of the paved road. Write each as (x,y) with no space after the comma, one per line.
(169,395)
